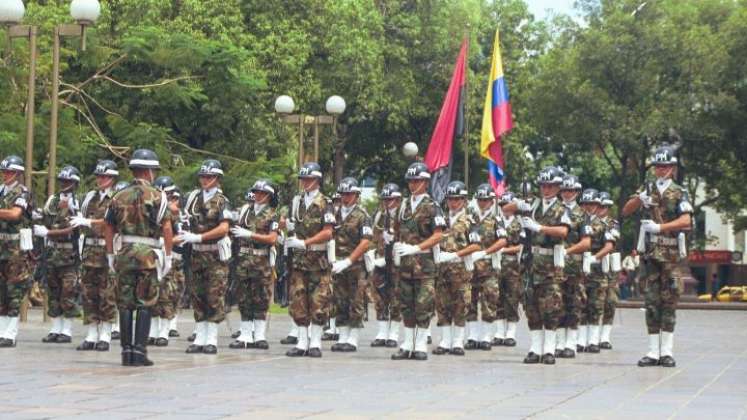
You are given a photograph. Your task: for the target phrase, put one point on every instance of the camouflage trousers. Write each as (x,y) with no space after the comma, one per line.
(208,288)
(310,297)
(574,301)
(98,295)
(255,294)
(453,294)
(169,292)
(511,292)
(544,298)
(385,296)
(15,276)
(416,297)
(596,294)
(349,295)
(62,291)
(137,289)
(610,303)
(485,295)
(662,292)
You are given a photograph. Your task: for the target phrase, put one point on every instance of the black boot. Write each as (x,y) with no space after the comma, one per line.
(142,329)
(125,336)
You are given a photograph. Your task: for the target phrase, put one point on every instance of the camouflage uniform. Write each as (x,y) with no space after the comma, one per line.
(596,284)
(511,286)
(613,288)
(209,273)
(15,270)
(385,296)
(62,257)
(485,286)
(98,287)
(453,284)
(350,286)
(255,274)
(574,292)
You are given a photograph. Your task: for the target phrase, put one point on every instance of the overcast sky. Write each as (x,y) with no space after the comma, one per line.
(539,8)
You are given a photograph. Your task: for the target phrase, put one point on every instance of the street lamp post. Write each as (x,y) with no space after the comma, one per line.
(11,14)
(85,13)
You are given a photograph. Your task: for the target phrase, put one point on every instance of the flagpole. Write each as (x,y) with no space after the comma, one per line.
(466,110)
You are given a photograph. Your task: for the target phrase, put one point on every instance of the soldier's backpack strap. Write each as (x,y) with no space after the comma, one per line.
(164,207)
(86,201)
(294,207)
(191,199)
(242,213)
(47,208)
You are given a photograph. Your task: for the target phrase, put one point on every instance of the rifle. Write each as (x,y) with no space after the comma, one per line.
(388,256)
(526,256)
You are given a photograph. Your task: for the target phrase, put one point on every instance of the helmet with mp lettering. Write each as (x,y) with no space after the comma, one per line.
(210,167)
(12,163)
(589,196)
(549,175)
(348,185)
(484,192)
(390,190)
(456,189)
(106,168)
(570,183)
(605,199)
(310,170)
(417,170)
(506,197)
(263,185)
(664,155)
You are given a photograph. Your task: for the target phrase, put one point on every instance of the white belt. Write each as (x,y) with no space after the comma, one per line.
(509,258)
(10,236)
(205,247)
(143,240)
(257,252)
(317,247)
(95,242)
(663,240)
(542,251)
(60,245)
(577,257)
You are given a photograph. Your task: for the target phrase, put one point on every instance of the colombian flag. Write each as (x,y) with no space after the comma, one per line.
(496,120)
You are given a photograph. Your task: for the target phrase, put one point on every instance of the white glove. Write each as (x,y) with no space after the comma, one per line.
(110,261)
(388,237)
(531,224)
(240,232)
(445,257)
(402,249)
(41,231)
(478,255)
(290,226)
(646,199)
(36,215)
(649,226)
(523,206)
(341,265)
(380,262)
(189,238)
(78,221)
(294,242)
(168,263)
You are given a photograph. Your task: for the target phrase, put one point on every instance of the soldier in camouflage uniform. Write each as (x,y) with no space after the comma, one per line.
(454,278)
(256,232)
(613,288)
(595,272)
(15,223)
(574,293)
(170,289)
(98,287)
(139,213)
(385,280)
(421,223)
(62,255)
(511,287)
(353,234)
(667,216)
(549,224)
(485,285)
(312,221)
(209,218)
(332,333)
(119,186)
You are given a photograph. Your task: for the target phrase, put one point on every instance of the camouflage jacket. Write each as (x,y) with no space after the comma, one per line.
(380,221)
(61,251)
(205,216)
(460,234)
(597,230)
(667,206)
(351,230)
(489,230)
(138,210)
(555,215)
(310,221)
(263,223)
(417,226)
(17,196)
(94,206)
(577,230)
(514,236)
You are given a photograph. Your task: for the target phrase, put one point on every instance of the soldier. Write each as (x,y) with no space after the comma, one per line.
(574,294)
(256,232)
(485,285)
(421,223)
(613,289)
(164,312)
(667,216)
(98,287)
(62,255)
(139,213)
(510,282)
(249,204)
(549,224)
(312,221)
(209,218)
(385,278)
(595,270)
(332,333)
(119,186)
(349,279)
(15,242)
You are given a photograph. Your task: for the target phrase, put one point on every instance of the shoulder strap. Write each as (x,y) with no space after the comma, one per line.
(86,201)
(163,208)
(191,201)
